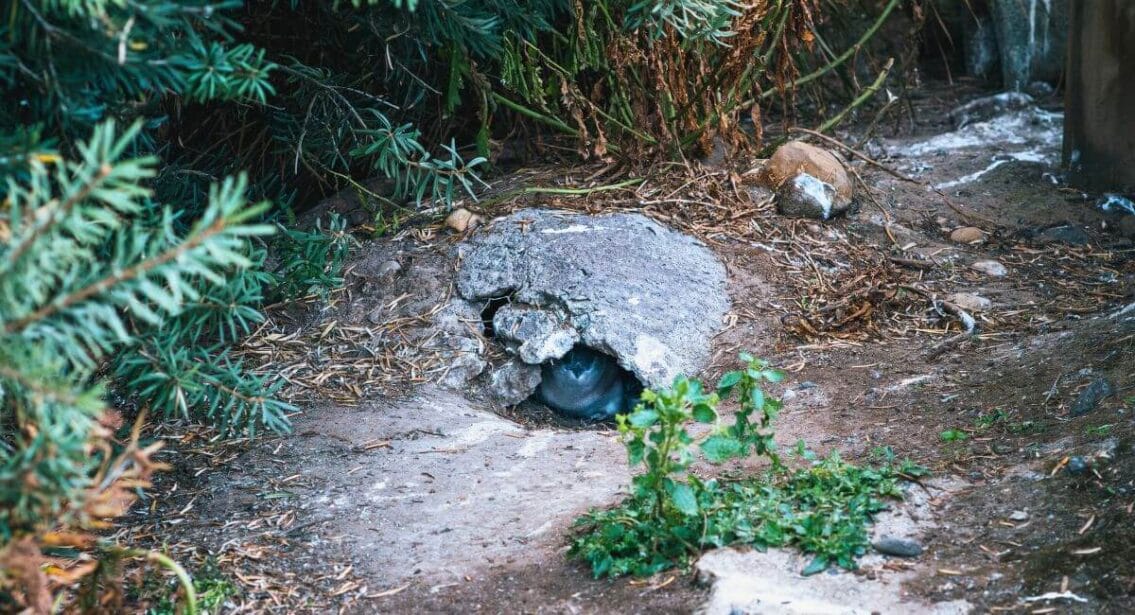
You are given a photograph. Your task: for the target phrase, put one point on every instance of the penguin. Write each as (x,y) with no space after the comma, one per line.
(588,385)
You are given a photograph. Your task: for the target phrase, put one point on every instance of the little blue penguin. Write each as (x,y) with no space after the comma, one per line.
(588,385)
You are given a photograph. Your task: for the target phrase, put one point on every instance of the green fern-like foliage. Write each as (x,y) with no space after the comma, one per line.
(91,268)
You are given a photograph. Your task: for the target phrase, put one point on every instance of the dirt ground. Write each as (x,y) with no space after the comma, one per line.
(1041,501)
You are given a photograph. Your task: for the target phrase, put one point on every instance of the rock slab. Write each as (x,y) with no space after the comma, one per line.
(647,295)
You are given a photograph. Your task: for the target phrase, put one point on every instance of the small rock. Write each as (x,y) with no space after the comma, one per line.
(898,547)
(534,334)
(992,268)
(514,382)
(463,369)
(1065,234)
(970,302)
(1091,396)
(462,219)
(967,234)
(466,362)
(1077,465)
(1002,449)
(388,268)
(759,194)
(1019,515)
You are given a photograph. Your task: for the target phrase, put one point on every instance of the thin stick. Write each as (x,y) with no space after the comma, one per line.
(858,154)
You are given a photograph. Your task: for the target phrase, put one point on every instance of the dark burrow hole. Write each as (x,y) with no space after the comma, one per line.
(491,308)
(587,385)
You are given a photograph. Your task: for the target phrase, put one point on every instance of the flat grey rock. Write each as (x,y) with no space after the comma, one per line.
(1091,397)
(647,295)
(898,547)
(514,382)
(748,581)
(534,334)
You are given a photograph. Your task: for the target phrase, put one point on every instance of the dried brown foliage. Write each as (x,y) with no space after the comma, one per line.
(32,581)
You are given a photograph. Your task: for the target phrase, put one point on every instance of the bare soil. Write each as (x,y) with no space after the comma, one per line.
(847,307)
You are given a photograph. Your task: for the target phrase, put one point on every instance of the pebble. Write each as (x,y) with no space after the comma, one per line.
(389,268)
(462,219)
(967,234)
(992,268)
(1077,465)
(970,302)
(1091,396)
(1019,515)
(898,547)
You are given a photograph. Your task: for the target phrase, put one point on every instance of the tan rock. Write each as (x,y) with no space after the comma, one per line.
(967,234)
(796,157)
(970,302)
(991,268)
(462,220)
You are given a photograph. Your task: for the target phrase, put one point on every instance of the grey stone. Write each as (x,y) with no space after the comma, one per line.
(465,362)
(389,268)
(898,547)
(759,193)
(1019,516)
(631,288)
(1091,397)
(805,196)
(1065,234)
(752,581)
(535,335)
(514,382)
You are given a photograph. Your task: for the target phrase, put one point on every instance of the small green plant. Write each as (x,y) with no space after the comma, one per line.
(1098,430)
(211,586)
(985,421)
(672,514)
(953,435)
